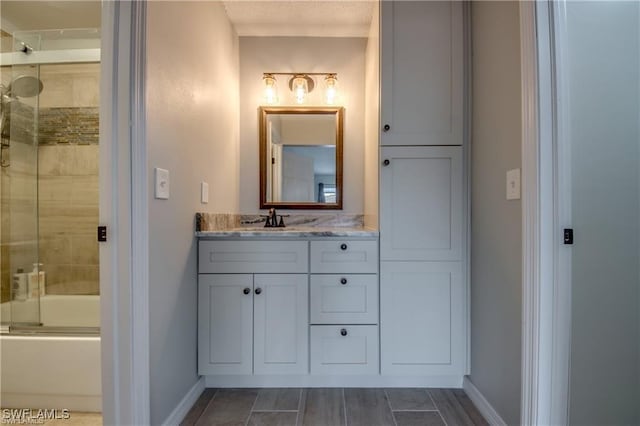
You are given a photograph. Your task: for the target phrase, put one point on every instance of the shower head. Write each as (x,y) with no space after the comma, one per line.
(25,86)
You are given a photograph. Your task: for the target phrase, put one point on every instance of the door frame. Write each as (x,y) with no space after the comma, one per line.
(124,284)
(546,302)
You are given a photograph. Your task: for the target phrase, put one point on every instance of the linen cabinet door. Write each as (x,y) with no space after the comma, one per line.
(225,324)
(422,318)
(421,196)
(281,318)
(422,78)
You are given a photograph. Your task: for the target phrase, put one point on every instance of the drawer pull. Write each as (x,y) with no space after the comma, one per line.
(258,290)
(343,332)
(343,246)
(343,281)
(247,290)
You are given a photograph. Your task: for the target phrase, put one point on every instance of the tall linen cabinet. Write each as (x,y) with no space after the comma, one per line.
(423,208)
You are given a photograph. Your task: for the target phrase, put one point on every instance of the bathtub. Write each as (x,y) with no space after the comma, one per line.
(43,371)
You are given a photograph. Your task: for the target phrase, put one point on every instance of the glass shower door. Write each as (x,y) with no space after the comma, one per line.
(601,128)
(20,282)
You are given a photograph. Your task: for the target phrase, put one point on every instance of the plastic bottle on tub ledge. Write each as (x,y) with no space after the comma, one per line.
(19,285)
(36,281)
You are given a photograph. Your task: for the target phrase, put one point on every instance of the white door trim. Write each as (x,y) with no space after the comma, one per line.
(545,342)
(123,207)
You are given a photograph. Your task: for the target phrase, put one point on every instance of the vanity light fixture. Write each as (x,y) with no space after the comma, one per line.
(301,84)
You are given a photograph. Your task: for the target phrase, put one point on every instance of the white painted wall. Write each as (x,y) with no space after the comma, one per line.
(496,296)
(372,120)
(603,77)
(345,56)
(192,130)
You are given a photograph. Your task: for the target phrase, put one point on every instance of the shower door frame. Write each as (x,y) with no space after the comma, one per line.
(124,284)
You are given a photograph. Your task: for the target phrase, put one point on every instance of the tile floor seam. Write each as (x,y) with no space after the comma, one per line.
(206,406)
(344,407)
(274,411)
(246,423)
(419,411)
(299,406)
(386,396)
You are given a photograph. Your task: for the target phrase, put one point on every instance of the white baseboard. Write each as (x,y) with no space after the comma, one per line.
(180,412)
(489,413)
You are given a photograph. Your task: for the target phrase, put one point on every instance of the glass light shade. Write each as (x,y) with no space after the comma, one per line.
(300,89)
(331,90)
(270,89)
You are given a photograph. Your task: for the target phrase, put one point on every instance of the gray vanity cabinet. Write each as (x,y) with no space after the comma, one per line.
(252,321)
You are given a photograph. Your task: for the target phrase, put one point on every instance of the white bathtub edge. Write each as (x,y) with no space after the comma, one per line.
(91,404)
(180,412)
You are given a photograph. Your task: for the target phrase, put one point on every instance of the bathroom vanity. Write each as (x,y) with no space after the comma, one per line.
(299,306)
(291,306)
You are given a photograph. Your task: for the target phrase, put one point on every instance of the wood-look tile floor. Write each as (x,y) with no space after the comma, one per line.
(334,407)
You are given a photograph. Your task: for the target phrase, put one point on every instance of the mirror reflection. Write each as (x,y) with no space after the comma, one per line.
(301,158)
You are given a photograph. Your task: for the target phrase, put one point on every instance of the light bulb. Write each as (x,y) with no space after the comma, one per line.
(270,89)
(300,89)
(331,92)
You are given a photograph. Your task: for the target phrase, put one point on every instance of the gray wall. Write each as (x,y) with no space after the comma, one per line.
(496,296)
(603,75)
(192,130)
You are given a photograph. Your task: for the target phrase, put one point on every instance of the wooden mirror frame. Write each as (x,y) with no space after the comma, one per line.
(339,114)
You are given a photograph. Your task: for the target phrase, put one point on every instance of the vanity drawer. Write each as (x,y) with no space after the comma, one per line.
(347,257)
(344,349)
(344,299)
(235,257)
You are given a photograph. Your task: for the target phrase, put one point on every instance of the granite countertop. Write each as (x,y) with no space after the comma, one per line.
(213,225)
(290,232)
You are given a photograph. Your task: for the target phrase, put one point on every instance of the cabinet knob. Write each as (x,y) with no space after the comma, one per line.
(386,162)
(343,332)
(386,128)
(343,281)
(343,246)
(246,290)
(258,290)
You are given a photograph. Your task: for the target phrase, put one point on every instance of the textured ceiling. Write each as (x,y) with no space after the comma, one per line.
(315,18)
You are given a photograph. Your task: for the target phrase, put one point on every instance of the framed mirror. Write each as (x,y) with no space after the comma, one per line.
(301,157)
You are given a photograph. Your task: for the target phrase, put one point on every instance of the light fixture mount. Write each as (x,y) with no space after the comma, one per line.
(310,83)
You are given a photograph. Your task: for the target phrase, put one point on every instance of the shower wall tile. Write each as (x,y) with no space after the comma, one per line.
(55,249)
(84,190)
(70,85)
(84,250)
(55,188)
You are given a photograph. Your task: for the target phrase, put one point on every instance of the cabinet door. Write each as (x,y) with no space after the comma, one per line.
(281,318)
(422,72)
(225,322)
(421,204)
(422,318)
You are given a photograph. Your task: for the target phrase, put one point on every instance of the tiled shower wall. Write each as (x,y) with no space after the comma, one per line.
(67,185)
(68,177)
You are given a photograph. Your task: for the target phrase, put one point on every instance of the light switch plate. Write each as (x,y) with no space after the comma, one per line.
(204,192)
(162,183)
(513,184)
